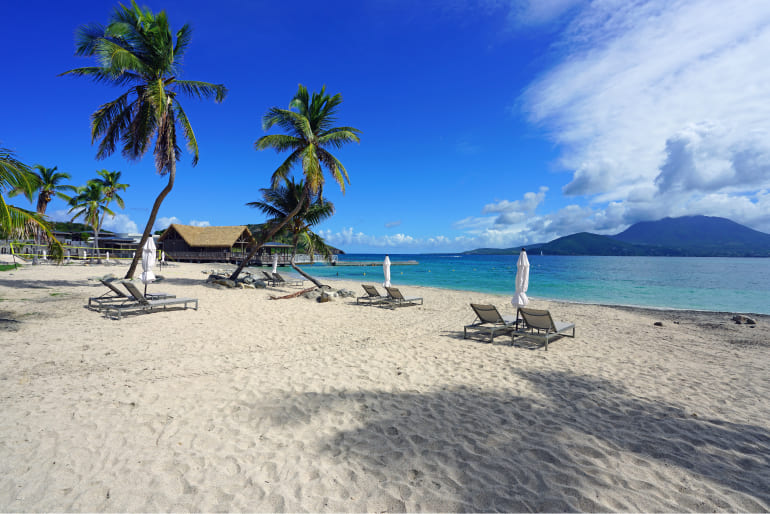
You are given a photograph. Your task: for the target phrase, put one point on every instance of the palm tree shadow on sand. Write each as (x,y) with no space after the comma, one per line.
(468,449)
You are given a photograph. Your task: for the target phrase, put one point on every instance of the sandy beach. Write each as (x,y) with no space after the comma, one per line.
(254,404)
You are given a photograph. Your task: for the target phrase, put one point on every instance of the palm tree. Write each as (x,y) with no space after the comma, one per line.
(90,203)
(49,187)
(308,123)
(279,202)
(110,181)
(15,221)
(137,48)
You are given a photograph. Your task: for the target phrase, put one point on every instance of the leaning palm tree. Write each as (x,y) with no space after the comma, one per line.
(15,221)
(278,202)
(90,203)
(137,49)
(308,123)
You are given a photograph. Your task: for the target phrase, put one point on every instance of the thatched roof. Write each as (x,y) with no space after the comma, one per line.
(209,237)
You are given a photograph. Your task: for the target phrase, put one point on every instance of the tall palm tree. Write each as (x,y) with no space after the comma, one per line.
(50,186)
(137,49)
(278,202)
(90,203)
(308,123)
(15,221)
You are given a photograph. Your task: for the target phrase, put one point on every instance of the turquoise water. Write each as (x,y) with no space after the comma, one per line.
(712,284)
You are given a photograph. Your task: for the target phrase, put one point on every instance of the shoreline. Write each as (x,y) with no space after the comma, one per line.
(549,299)
(253,404)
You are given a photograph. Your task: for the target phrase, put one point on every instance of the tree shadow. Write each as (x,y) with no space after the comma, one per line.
(43,284)
(472,449)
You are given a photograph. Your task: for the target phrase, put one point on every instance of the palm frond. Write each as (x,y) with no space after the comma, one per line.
(106,115)
(278,142)
(335,167)
(187,130)
(183,39)
(201,90)
(283,170)
(339,136)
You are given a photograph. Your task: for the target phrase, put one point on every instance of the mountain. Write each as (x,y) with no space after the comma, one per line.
(585,243)
(687,236)
(701,235)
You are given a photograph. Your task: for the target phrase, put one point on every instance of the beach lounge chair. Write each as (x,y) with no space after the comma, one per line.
(540,324)
(115,295)
(489,319)
(279,280)
(396,298)
(142,303)
(269,278)
(372,295)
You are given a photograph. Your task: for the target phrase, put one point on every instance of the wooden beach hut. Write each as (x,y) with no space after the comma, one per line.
(202,244)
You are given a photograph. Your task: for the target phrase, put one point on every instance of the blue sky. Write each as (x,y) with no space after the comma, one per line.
(486,123)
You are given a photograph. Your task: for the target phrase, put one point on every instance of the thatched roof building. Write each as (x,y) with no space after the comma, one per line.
(221,244)
(206,237)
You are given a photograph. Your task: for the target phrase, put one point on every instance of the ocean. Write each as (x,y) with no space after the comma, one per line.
(698,283)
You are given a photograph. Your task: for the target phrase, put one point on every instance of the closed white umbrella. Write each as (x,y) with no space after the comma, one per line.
(386,271)
(148,262)
(108,256)
(522,281)
(45,255)
(275,262)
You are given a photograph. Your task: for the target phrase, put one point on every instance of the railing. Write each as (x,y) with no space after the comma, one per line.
(72,253)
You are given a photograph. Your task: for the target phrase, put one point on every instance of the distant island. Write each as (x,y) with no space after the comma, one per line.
(686,236)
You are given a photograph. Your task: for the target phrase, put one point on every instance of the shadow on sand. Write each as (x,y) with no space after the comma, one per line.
(556,450)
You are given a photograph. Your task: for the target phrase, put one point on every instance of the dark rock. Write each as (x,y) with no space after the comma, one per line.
(745,320)
(346,293)
(658,323)
(224,282)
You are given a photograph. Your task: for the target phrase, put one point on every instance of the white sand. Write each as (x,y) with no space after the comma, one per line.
(250,404)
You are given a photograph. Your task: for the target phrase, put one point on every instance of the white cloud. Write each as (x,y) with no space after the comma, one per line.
(513,212)
(120,223)
(392,224)
(163,223)
(662,106)
(539,12)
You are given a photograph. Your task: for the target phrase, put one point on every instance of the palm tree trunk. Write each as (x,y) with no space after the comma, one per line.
(299,270)
(268,237)
(96,242)
(153,214)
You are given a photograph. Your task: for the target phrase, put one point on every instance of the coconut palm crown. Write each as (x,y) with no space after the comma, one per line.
(50,186)
(309,136)
(278,202)
(15,221)
(90,203)
(136,49)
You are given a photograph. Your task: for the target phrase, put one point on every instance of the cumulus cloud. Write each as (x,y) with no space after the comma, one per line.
(120,223)
(512,212)
(660,104)
(163,223)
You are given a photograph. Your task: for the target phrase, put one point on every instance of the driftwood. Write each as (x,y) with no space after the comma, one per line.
(293,295)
